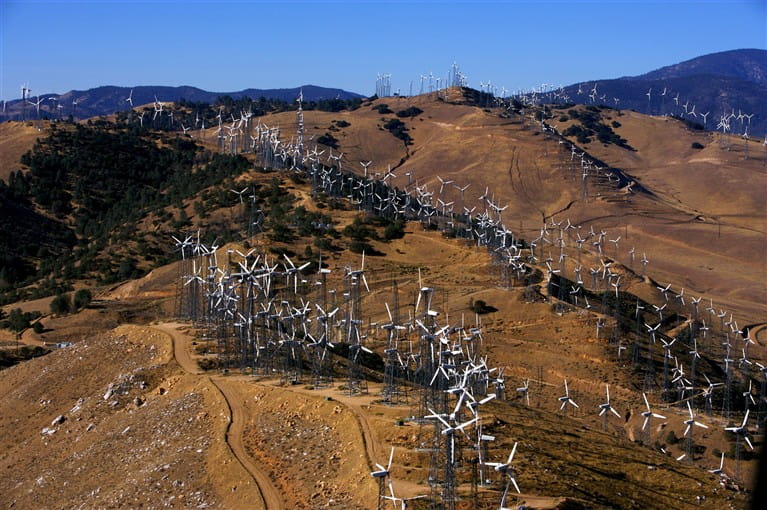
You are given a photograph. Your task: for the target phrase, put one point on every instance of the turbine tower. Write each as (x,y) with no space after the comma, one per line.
(299,147)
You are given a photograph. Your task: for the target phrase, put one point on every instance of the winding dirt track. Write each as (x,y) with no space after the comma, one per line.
(234,430)
(180,350)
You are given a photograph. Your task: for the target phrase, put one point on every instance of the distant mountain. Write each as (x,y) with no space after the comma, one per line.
(718,83)
(110,99)
(748,65)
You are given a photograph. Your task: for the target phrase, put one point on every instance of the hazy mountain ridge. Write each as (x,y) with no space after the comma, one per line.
(110,99)
(745,64)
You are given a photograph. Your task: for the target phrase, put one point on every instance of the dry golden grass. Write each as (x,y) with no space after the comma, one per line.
(703,227)
(16,138)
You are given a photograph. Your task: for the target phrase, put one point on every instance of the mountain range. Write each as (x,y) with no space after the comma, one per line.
(718,83)
(109,99)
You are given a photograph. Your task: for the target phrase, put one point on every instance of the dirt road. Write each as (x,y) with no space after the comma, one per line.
(234,402)
(181,347)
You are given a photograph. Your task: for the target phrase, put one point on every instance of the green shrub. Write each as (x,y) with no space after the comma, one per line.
(394,230)
(382,108)
(17,320)
(398,128)
(412,111)
(481,308)
(671,437)
(61,304)
(696,145)
(82,298)
(359,246)
(329,140)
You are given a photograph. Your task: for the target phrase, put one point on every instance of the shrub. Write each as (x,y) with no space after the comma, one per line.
(382,108)
(696,145)
(359,246)
(481,308)
(671,438)
(328,140)
(342,123)
(82,298)
(412,111)
(398,128)
(358,231)
(38,327)
(61,304)
(17,320)
(394,230)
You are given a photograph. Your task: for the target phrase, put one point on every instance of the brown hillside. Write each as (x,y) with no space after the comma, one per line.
(677,225)
(16,138)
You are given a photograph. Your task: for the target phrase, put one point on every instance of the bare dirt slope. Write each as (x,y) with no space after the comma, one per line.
(126,428)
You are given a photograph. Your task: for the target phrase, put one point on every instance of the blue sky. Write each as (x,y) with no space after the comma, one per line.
(57,46)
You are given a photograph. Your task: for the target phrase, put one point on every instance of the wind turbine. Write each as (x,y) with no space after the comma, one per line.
(719,470)
(607,407)
(36,104)
(647,415)
(741,432)
(691,423)
(525,390)
(382,474)
(506,469)
(565,399)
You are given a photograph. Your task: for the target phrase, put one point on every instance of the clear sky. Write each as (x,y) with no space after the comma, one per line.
(57,46)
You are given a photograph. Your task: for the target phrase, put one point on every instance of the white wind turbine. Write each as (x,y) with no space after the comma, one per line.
(741,433)
(506,469)
(704,115)
(565,399)
(525,390)
(382,474)
(365,167)
(647,415)
(443,183)
(36,104)
(720,469)
(604,408)
(691,423)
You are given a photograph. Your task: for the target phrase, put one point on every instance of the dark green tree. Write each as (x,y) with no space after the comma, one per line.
(82,298)
(61,304)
